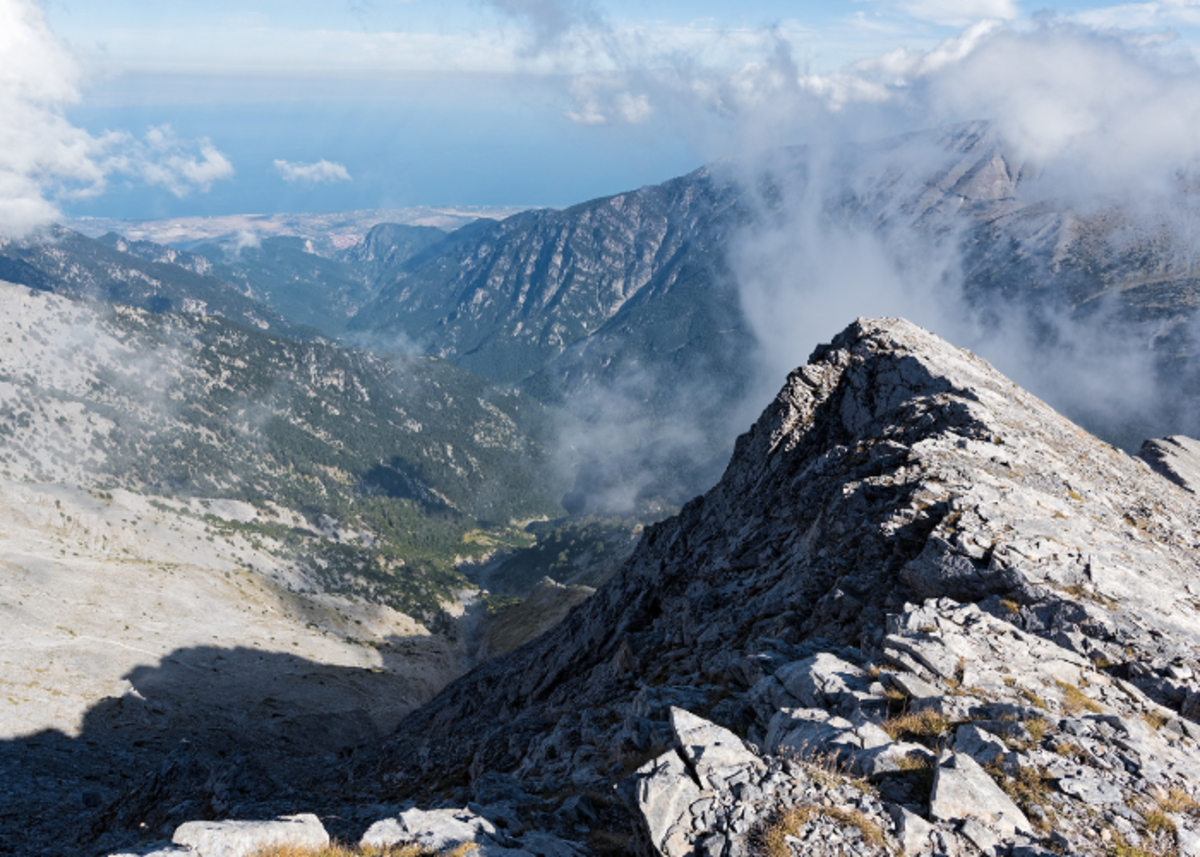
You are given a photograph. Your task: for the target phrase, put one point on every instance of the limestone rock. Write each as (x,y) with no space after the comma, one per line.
(826,681)
(713,752)
(902,527)
(243,838)
(963,791)
(1177,458)
(665,795)
(437,829)
(981,746)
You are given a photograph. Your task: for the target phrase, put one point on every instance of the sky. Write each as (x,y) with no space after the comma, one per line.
(164,108)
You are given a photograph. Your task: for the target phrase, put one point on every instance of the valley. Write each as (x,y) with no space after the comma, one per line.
(368,517)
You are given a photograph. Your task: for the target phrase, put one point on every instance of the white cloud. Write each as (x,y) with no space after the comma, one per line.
(959,13)
(38,147)
(162,158)
(1134,15)
(321,171)
(43,156)
(601,100)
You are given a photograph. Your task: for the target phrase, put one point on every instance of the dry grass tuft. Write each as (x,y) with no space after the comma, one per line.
(1158,821)
(773,839)
(1155,719)
(1037,727)
(1029,788)
(1075,700)
(1178,801)
(1033,698)
(922,725)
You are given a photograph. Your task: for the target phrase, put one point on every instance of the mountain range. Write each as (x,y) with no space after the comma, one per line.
(920,612)
(361,459)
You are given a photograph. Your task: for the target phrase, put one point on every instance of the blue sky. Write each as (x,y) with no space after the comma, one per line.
(156,108)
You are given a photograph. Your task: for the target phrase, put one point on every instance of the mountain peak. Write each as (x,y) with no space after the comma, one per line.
(892,468)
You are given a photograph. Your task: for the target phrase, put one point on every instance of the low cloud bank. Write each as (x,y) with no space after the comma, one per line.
(44,158)
(319,172)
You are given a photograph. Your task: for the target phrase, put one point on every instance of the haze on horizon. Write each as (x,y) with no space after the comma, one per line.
(137,110)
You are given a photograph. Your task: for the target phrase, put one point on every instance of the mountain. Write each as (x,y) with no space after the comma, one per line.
(657,305)
(69,263)
(920,611)
(391,463)
(903,528)
(221,535)
(311,282)
(509,297)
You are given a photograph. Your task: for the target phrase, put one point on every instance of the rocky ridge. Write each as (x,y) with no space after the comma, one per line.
(907,511)
(920,611)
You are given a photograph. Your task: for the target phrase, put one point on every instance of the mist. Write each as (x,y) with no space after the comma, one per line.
(1082,168)
(1011,189)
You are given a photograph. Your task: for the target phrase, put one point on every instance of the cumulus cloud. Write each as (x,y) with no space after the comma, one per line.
(320,172)
(601,100)
(1094,124)
(43,157)
(38,147)
(1094,133)
(162,158)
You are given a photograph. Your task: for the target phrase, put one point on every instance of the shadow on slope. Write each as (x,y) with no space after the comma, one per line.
(206,733)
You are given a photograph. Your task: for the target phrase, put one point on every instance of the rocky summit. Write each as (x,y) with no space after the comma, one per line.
(921,612)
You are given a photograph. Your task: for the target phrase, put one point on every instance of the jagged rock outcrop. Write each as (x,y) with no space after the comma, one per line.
(904,532)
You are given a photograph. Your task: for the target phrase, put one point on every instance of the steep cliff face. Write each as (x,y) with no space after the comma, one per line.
(508,297)
(1058,577)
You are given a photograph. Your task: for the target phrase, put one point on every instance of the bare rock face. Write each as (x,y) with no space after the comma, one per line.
(906,552)
(1177,458)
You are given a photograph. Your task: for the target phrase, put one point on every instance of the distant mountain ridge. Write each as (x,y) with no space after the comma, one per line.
(311,283)
(69,263)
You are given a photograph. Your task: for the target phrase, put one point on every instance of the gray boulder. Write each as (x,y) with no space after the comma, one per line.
(243,838)
(981,746)
(826,681)
(713,752)
(435,829)
(963,791)
(664,794)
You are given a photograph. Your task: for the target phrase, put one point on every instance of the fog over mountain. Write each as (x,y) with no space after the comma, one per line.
(562,531)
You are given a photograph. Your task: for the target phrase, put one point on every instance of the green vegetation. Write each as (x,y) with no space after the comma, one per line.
(586,552)
(379,477)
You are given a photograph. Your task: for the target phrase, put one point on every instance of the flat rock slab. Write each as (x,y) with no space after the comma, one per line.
(826,681)
(1091,790)
(436,829)
(962,791)
(713,751)
(243,838)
